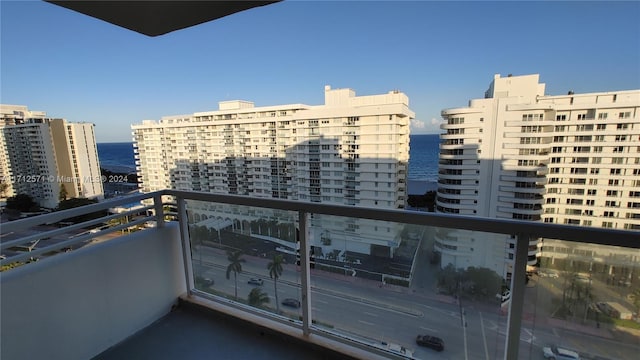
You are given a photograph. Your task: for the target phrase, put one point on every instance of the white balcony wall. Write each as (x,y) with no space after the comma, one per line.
(76,305)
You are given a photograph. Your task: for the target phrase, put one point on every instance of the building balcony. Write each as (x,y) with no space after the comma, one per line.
(135,285)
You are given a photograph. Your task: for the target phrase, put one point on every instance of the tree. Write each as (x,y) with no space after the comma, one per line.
(484,282)
(63,193)
(257,297)
(275,271)
(3,188)
(77,202)
(22,202)
(235,266)
(427,200)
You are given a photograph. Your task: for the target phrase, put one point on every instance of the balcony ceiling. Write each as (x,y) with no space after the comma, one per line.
(155,18)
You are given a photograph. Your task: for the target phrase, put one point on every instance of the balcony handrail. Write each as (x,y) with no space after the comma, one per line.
(601,236)
(66,229)
(53,217)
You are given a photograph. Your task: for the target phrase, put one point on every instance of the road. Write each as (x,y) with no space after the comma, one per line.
(374,312)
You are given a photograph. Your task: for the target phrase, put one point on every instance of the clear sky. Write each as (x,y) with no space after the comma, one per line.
(441,54)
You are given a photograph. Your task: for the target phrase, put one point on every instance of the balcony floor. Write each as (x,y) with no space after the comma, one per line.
(190,332)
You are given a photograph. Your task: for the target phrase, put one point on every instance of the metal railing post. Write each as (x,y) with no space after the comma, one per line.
(516,305)
(305,273)
(186,244)
(159,209)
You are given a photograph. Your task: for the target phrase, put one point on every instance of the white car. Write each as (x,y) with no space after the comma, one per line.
(504,296)
(548,273)
(557,353)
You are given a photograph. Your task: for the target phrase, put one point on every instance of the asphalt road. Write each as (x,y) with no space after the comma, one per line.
(375,313)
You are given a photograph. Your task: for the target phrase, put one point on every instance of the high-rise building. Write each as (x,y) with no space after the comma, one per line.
(39,155)
(353,150)
(521,154)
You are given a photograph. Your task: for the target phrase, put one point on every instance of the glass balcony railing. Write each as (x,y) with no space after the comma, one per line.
(375,280)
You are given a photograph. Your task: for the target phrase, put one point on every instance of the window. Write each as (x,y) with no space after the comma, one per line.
(612,192)
(601,127)
(602,116)
(615,171)
(561,117)
(624,115)
(607,224)
(611,203)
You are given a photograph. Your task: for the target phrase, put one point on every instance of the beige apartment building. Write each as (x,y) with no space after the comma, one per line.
(520,154)
(352,150)
(38,155)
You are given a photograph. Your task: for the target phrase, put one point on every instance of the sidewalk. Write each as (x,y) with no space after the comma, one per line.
(601,331)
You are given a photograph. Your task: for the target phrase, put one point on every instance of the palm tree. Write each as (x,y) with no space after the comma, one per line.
(275,270)
(235,266)
(257,297)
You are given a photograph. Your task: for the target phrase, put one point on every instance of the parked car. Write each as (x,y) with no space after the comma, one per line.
(548,273)
(558,353)
(429,341)
(255,281)
(291,303)
(583,278)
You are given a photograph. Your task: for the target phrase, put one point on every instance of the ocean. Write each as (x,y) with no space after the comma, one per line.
(423,161)
(117,157)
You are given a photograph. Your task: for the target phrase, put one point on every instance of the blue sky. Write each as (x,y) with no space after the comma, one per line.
(441,54)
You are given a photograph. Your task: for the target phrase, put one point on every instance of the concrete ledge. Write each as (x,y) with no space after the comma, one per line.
(77,304)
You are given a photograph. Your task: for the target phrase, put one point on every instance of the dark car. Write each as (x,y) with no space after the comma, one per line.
(431,342)
(291,303)
(254,281)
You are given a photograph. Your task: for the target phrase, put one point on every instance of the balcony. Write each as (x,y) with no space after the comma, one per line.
(161,292)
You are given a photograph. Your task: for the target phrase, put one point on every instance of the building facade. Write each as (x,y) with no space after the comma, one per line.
(520,154)
(39,155)
(353,150)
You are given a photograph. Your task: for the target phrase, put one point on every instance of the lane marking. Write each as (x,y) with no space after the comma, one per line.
(366,322)
(464,333)
(484,337)
(428,329)
(371,314)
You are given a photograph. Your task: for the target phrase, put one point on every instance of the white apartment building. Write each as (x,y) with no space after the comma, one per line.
(39,155)
(353,150)
(521,154)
